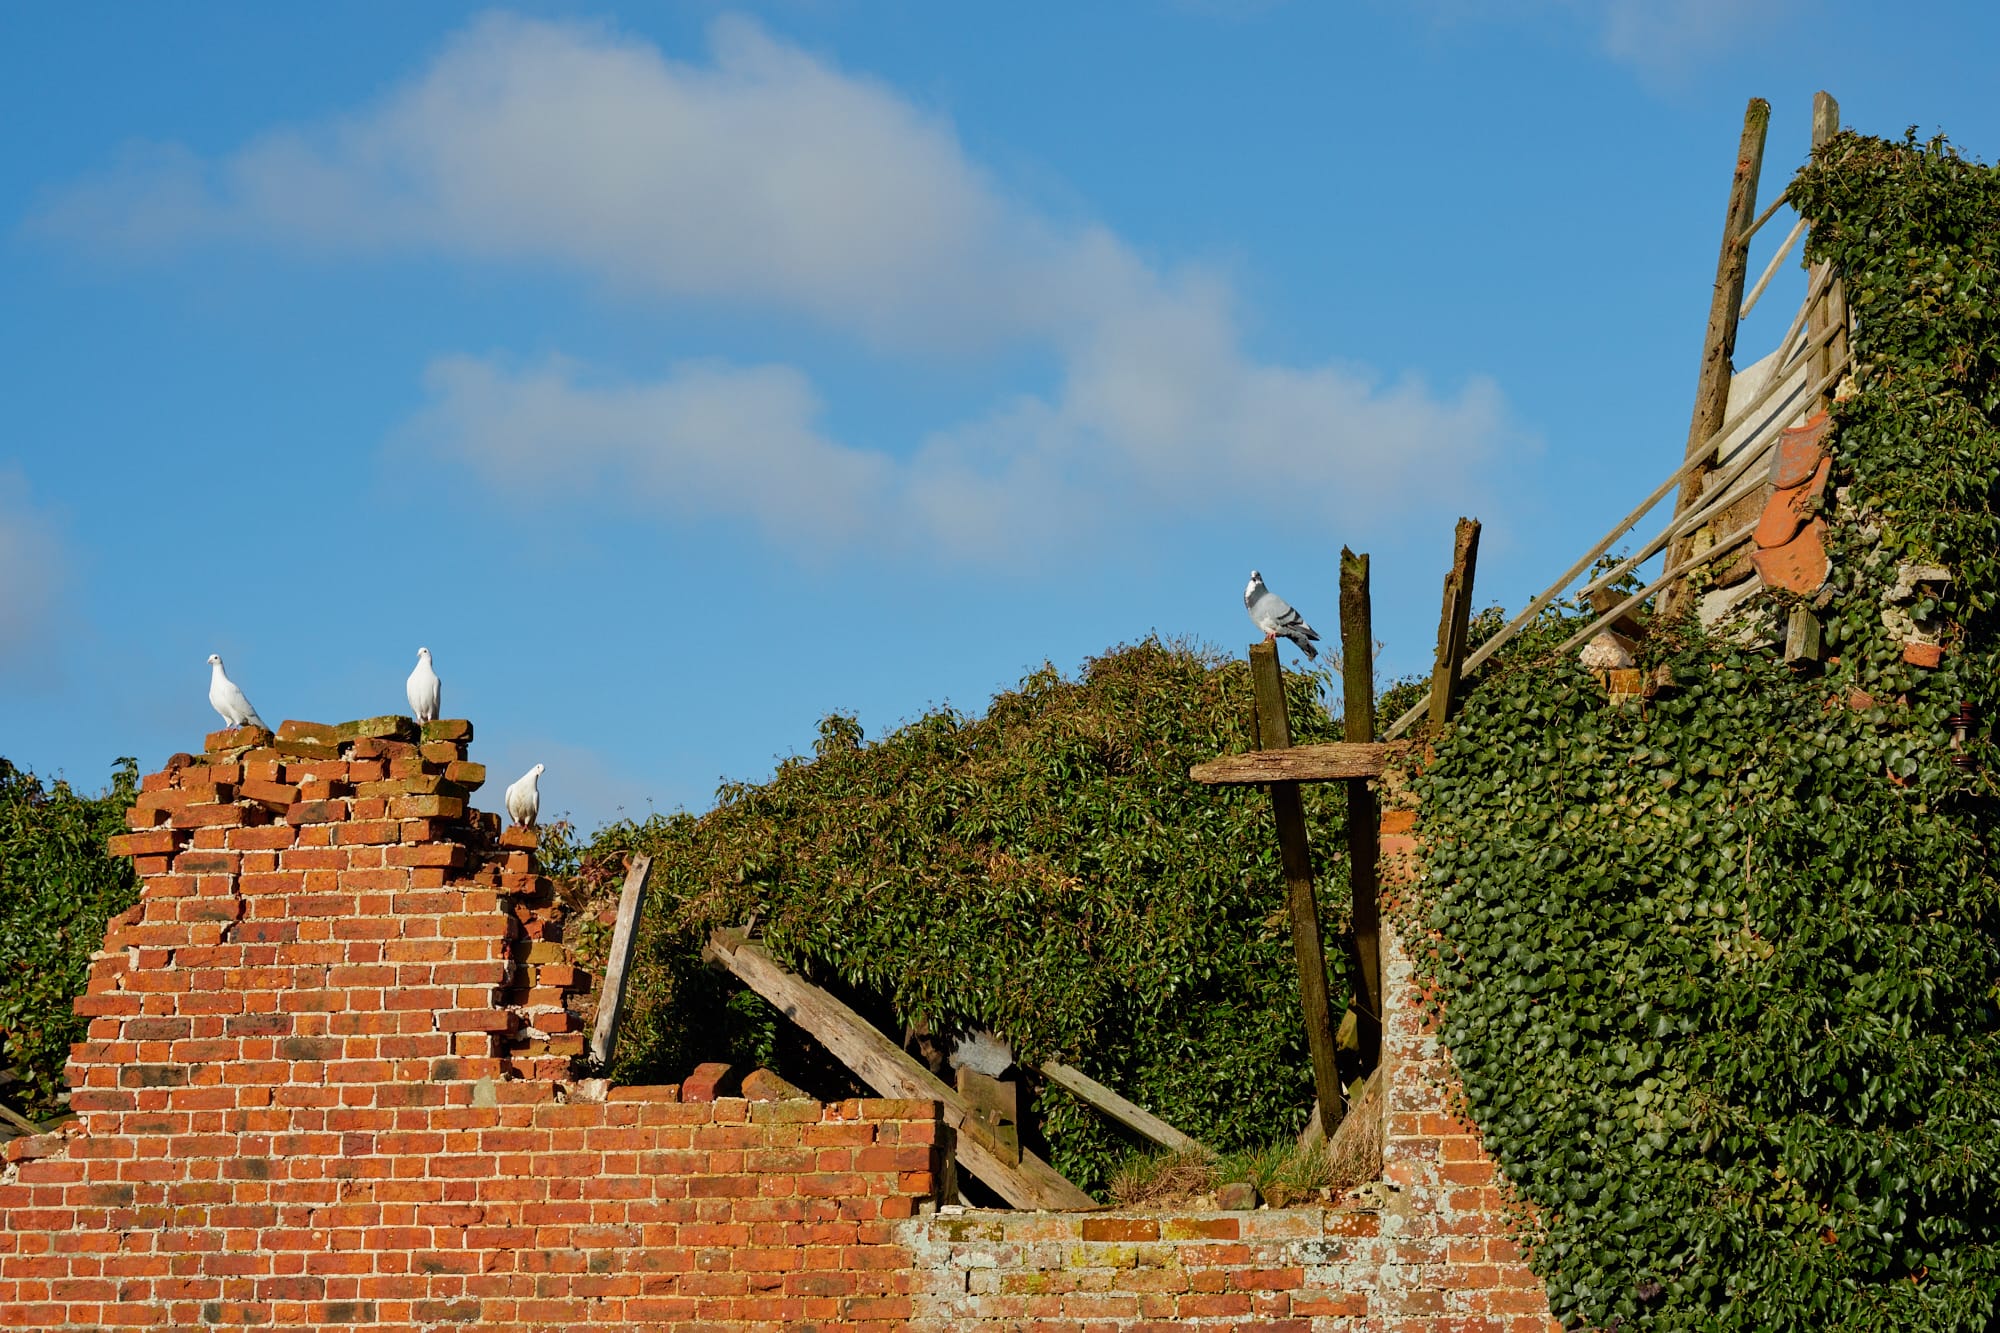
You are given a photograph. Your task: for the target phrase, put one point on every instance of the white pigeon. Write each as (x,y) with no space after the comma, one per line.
(225,698)
(1274,615)
(524,800)
(423,688)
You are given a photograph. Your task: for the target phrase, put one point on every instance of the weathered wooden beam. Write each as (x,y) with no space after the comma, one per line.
(1718,346)
(1829,313)
(1357,661)
(1135,1118)
(885,1067)
(1454,623)
(1274,731)
(1297,763)
(611,1004)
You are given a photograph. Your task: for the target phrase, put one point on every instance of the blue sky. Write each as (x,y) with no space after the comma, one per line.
(679,374)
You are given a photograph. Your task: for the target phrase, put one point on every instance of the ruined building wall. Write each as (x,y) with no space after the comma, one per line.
(329,1084)
(310,1096)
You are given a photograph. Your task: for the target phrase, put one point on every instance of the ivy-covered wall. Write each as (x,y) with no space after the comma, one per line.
(1719,969)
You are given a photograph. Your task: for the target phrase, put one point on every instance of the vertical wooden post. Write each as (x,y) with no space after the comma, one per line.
(1830,311)
(1274,732)
(1453,623)
(604,1037)
(1711,395)
(1357,669)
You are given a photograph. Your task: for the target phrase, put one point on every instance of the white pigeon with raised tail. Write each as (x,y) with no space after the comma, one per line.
(524,798)
(423,688)
(225,698)
(1274,615)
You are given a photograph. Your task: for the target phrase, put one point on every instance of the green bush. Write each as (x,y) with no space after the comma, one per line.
(1719,972)
(1046,870)
(58,887)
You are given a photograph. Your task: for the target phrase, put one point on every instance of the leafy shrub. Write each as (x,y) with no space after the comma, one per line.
(58,887)
(1047,871)
(1719,972)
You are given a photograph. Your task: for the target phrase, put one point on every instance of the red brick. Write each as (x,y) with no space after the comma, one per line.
(155,843)
(1927,655)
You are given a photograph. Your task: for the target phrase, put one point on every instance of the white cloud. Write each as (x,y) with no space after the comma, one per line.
(33,571)
(768,179)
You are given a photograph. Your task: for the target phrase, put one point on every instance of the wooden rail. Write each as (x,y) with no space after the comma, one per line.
(1297,763)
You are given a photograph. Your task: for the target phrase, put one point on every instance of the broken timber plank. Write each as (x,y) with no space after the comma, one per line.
(1296,763)
(885,1067)
(1135,1118)
(611,1004)
(1454,623)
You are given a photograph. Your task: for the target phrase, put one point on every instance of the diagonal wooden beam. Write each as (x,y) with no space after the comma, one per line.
(887,1068)
(611,1004)
(1134,1117)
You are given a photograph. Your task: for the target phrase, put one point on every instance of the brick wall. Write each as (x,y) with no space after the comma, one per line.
(326,1086)
(1431,1255)
(329,1084)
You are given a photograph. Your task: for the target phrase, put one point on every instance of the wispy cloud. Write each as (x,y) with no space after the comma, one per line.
(34,568)
(1659,38)
(768,179)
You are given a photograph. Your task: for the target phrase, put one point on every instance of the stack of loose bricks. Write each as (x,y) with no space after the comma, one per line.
(327,1085)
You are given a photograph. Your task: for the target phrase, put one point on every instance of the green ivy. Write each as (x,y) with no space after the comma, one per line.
(1046,870)
(1719,971)
(58,887)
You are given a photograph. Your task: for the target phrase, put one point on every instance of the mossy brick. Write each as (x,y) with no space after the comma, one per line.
(389,726)
(466,774)
(421,784)
(235,738)
(307,749)
(427,807)
(448,729)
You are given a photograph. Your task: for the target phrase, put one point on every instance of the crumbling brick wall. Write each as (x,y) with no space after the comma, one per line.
(311,1095)
(1427,1251)
(329,1084)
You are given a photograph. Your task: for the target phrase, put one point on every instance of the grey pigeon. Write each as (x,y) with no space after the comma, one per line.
(1274,615)
(423,688)
(524,799)
(225,698)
